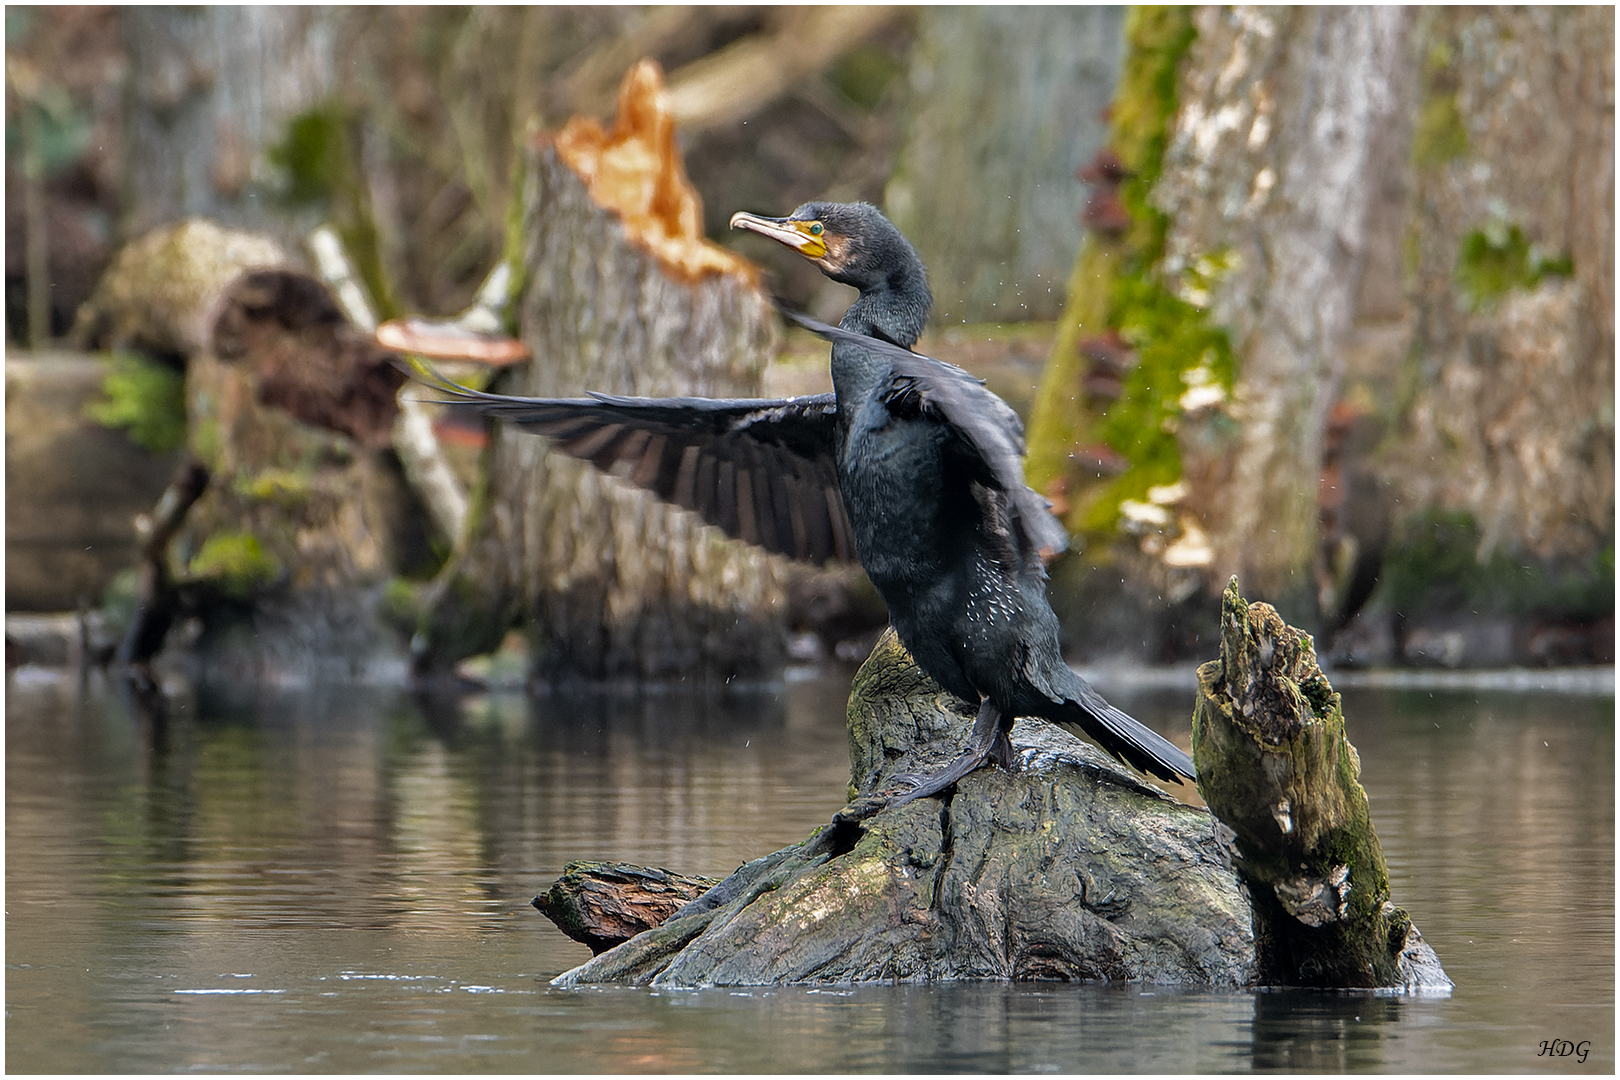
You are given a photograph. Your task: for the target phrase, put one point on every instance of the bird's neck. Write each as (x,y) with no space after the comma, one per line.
(896,310)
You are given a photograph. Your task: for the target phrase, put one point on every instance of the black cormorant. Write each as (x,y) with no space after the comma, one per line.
(910,461)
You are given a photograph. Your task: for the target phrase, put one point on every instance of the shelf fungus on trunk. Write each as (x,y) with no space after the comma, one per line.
(1275,766)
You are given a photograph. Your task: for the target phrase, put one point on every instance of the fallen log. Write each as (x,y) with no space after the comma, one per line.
(1073,868)
(607,904)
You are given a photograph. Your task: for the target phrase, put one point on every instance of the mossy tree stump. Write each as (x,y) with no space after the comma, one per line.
(1274,764)
(289,410)
(1072,869)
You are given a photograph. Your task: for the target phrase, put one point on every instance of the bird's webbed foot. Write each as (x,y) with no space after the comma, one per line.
(988,742)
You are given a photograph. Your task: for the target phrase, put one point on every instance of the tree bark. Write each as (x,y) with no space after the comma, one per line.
(620,295)
(1274,764)
(1071,869)
(210,89)
(1289,123)
(1004,105)
(1510,356)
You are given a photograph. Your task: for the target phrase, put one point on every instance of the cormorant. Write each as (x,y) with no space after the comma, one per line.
(911,461)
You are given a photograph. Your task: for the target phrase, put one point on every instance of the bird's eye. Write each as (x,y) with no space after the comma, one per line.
(815,229)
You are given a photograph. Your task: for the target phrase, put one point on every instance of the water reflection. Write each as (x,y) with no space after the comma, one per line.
(338,881)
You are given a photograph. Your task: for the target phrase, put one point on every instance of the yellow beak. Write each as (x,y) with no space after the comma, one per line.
(795,234)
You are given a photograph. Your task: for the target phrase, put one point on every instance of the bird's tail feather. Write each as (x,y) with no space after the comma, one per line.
(1127,739)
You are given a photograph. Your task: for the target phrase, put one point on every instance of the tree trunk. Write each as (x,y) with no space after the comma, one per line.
(1361,328)
(1275,766)
(210,89)
(1516,333)
(1005,104)
(1289,127)
(620,295)
(1071,869)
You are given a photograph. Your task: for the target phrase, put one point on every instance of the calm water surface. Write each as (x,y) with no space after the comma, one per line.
(339,881)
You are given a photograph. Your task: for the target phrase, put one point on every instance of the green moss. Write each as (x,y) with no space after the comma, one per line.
(864,73)
(235,563)
(313,155)
(1116,285)
(146,398)
(1439,135)
(1497,259)
(287,488)
(516,235)
(1173,339)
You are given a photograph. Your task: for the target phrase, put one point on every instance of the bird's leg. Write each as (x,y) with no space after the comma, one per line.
(987,741)
(1001,750)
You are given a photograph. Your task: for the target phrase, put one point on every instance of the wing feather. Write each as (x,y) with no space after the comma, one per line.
(760,469)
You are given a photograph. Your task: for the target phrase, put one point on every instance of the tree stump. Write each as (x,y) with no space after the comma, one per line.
(1072,869)
(1274,764)
(620,295)
(289,409)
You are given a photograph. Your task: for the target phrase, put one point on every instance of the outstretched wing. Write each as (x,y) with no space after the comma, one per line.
(988,427)
(760,469)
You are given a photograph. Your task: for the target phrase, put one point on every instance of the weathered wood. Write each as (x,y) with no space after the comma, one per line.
(607,904)
(1274,764)
(620,294)
(1072,869)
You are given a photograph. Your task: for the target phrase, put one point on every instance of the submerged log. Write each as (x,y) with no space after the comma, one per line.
(1274,764)
(1072,869)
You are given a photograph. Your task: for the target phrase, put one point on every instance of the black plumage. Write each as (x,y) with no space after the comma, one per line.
(910,465)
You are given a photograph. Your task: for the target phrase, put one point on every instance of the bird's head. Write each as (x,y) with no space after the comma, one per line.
(853,243)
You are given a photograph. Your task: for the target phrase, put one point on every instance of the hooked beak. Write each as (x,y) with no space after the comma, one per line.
(795,234)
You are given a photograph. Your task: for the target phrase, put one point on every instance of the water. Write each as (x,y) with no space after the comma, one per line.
(339,881)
